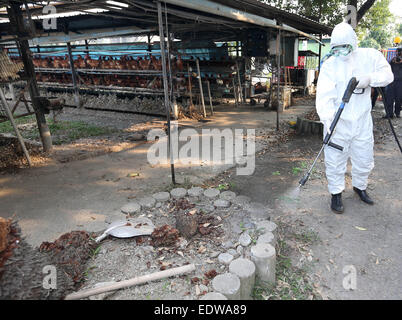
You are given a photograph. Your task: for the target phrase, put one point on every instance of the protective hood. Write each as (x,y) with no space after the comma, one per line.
(343,34)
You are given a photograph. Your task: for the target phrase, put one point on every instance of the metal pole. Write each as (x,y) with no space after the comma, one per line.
(165,86)
(319,54)
(240,86)
(17,132)
(201,90)
(190,85)
(235,93)
(74,76)
(210,98)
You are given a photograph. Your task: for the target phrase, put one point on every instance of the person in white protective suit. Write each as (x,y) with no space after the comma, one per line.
(354,131)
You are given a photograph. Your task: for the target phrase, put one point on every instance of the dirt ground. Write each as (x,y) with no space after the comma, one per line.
(87,194)
(365,237)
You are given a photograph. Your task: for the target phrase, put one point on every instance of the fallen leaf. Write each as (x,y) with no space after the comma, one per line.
(180,253)
(133,174)
(360,228)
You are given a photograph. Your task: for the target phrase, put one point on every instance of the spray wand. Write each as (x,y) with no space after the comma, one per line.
(346,97)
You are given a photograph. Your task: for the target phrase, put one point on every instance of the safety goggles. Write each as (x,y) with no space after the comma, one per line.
(342,50)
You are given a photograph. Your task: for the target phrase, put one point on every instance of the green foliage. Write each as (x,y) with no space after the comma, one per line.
(369,43)
(374,30)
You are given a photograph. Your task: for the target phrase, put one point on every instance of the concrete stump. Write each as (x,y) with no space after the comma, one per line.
(225,258)
(227,284)
(221,203)
(267,237)
(178,193)
(161,196)
(267,226)
(264,257)
(245,270)
(227,195)
(245,239)
(211,193)
(214,296)
(195,191)
(131,208)
(147,202)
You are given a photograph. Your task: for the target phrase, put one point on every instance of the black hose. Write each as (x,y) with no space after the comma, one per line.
(388,117)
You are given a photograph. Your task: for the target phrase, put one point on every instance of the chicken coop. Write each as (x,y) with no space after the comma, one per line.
(186,52)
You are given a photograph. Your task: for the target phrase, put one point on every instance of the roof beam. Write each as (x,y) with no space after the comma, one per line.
(225,11)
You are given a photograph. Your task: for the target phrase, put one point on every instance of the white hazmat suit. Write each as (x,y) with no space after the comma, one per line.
(354,131)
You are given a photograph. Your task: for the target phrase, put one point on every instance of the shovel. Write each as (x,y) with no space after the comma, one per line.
(128,229)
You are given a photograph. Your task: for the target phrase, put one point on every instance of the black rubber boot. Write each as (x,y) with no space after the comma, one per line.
(336,203)
(363,196)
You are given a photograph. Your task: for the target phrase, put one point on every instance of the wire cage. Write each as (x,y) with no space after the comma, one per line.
(8,69)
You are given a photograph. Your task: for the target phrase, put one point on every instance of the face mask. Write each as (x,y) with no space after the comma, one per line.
(341,51)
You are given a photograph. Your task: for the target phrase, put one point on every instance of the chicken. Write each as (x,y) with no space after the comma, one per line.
(132,64)
(121,63)
(65,63)
(179,63)
(144,64)
(91,63)
(79,63)
(97,81)
(156,63)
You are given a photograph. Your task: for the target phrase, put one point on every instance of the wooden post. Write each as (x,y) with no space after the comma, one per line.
(190,85)
(17,132)
(201,90)
(240,86)
(278,68)
(210,98)
(16,19)
(319,53)
(12,92)
(74,76)
(165,87)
